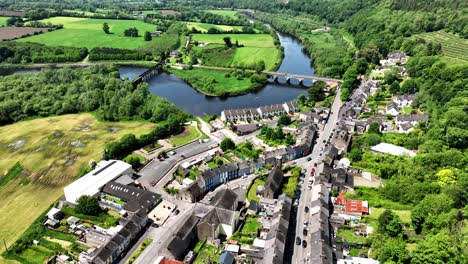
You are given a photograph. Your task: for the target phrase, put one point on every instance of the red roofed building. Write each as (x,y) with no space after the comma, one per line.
(164,260)
(357,207)
(340,200)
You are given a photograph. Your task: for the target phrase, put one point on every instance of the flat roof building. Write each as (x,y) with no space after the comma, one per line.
(91,183)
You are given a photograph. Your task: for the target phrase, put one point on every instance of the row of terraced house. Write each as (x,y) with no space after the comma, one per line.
(250,114)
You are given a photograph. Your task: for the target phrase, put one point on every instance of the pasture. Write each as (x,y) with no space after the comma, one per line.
(52,151)
(203,27)
(248,40)
(228,13)
(87,32)
(3,21)
(452,46)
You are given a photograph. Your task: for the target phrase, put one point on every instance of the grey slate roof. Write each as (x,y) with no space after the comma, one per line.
(225,198)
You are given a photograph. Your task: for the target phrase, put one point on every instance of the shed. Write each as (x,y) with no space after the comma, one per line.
(72,220)
(55,214)
(226,258)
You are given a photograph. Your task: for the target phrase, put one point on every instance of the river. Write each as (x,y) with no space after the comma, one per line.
(184,96)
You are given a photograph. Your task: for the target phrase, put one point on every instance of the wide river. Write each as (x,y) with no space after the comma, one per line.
(184,96)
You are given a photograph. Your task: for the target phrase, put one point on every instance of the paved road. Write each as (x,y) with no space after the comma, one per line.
(300,253)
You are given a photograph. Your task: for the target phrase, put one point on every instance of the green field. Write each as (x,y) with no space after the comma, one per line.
(203,27)
(228,13)
(190,133)
(215,83)
(3,21)
(452,45)
(87,32)
(257,47)
(44,155)
(251,194)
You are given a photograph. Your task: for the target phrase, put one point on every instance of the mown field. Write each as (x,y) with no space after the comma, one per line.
(228,13)
(3,21)
(52,151)
(257,47)
(203,27)
(452,45)
(87,32)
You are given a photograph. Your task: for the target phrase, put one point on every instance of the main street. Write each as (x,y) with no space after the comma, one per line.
(300,253)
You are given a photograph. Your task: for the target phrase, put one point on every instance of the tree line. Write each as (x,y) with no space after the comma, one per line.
(25,52)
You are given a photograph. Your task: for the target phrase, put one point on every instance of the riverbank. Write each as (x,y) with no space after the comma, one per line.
(221,83)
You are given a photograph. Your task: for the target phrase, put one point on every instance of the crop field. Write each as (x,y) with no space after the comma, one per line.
(18,32)
(248,56)
(87,32)
(228,13)
(51,152)
(452,45)
(3,21)
(203,27)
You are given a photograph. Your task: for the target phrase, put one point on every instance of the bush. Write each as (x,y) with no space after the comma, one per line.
(88,205)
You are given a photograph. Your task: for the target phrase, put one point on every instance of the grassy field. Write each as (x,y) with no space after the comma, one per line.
(87,32)
(228,13)
(203,27)
(43,147)
(190,133)
(207,253)
(213,82)
(257,47)
(349,236)
(251,194)
(405,215)
(3,21)
(452,45)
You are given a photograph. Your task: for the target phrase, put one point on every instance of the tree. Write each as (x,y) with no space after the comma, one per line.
(301,99)
(131,32)
(260,66)
(316,91)
(134,161)
(431,206)
(395,87)
(355,154)
(394,250)
(446,177)
(227,42)
(374,128)
(227,144)
(409,86)
(106,28)
(148,36)
(284,120)
(88,205)
(435,249)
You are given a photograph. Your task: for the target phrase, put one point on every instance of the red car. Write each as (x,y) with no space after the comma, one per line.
(312,171)
(153,183)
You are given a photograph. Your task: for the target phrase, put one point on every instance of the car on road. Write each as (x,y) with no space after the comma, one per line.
(296,202)
(298,241)
(171,152)
(304,232)
(306,209)
(309,159)
(309,187)
(177,211)
(306,224)
(152,182)
(304,243)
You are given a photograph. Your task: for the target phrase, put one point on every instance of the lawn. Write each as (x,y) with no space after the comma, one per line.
(214,82)
(452,45)
(203,27)
(3,21)
(229,13)
(405,215)
(207,253)
(375,200)
(349,236)
(249,56)
(248,232)
(87,32)
(49,162)
(189,134)
(252,193)
(104,219)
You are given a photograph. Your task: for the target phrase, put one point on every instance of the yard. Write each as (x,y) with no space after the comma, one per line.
(43,148)
(350,237)
(206,253)
(87,32)
(248,231)
(189,134)
(251,195)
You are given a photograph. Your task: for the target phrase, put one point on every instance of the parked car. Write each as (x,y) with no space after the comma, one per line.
(152,182)
(309,187)
(306,224)
(298,241)
(304,232)
(309,159)
(306,209)
(171,152)
(304,243)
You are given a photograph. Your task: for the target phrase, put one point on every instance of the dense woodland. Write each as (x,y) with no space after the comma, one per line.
(23,52)
(97,89)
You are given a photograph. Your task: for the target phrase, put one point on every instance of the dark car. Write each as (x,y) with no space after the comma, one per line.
(306,209)
(298,241)
(309,159)
(304,243)
(304,232)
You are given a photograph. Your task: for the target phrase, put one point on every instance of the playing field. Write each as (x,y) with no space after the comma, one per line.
(52,151)
(228,13)
(452,46)
(3,21)
(87,32)
(203,27)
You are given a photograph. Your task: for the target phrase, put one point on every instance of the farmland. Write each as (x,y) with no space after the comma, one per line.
(257,47)
(203,27)
(51,151)
(87,32)
(3,21)
(228,13)
(452,46)
(18,32)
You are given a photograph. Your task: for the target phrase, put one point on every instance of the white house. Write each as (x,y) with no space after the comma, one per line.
(404,100)
(405,123)
(392,109)
(91,183)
